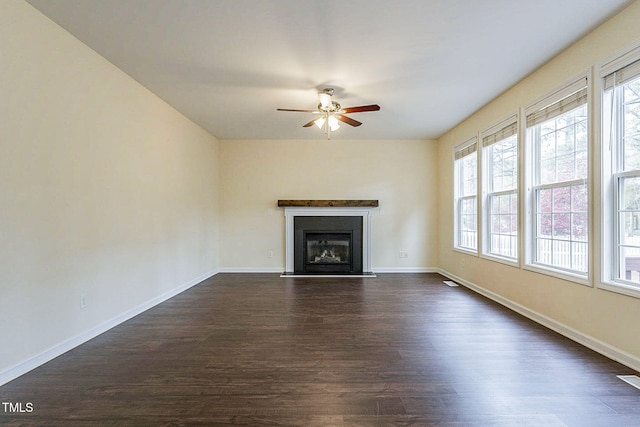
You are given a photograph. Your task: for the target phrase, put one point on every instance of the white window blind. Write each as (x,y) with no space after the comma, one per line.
(622,75)
(502,133)
(466,150)
(559,107)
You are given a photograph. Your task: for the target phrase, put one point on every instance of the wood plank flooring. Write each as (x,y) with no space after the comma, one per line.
(261,350)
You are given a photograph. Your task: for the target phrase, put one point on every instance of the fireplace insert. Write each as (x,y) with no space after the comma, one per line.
(328,245)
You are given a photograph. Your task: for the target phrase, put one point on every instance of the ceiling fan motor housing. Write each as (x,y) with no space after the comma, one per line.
(326,104)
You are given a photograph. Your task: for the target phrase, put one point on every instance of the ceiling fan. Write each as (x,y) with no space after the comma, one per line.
(332,113)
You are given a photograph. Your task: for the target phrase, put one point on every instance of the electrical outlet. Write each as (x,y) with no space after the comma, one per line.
(404,254)
(83,301)
(269,254)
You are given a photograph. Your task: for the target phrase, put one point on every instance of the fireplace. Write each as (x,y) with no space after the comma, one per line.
(327,245)
(328,237)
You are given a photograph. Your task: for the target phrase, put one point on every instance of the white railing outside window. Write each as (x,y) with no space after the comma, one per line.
(468,238)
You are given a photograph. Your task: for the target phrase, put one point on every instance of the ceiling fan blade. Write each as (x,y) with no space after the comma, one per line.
(311,123)
(347,120)
(373,107)
(299,111)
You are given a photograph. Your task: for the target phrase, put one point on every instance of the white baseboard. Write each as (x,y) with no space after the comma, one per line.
(405,270)
(588,341)
(68,344)
(251,270)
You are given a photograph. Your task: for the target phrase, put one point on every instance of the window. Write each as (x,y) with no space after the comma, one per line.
(621,139)
(500,154)
(558,140)
(466,188)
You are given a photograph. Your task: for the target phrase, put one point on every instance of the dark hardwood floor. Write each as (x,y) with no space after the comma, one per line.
(257,349)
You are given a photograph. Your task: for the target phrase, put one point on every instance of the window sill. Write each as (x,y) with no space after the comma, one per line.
(559,274)
(502,260)
(466,251)
(621,288)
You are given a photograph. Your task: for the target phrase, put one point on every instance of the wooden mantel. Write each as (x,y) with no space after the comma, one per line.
(328,203)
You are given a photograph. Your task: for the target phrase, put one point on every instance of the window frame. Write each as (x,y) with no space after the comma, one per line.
(460,197)
(612,174)
(489,195)
(532,187)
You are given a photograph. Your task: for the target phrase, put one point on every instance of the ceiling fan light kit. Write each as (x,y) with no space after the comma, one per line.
(332,113)
(331,121)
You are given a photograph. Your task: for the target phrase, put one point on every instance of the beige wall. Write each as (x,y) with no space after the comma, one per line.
(255,174)
(602,319)
(105,191)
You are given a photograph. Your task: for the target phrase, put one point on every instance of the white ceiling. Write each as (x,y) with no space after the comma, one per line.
(228,64)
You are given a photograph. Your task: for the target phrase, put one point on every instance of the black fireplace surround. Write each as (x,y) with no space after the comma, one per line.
(327,245)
